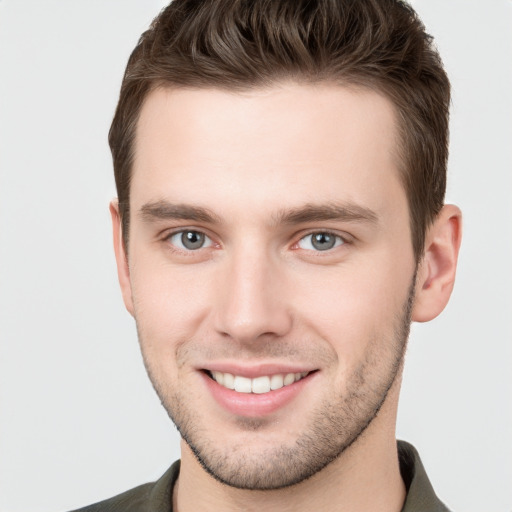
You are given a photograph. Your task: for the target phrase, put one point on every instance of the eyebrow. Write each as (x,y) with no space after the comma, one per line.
(163,210)
(348,212)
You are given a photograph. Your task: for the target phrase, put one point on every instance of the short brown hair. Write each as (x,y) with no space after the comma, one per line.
(239,44)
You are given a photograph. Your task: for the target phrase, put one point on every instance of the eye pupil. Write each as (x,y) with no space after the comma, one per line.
(323,241)
(192,239)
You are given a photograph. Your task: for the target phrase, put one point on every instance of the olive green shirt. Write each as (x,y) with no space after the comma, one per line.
(157,496)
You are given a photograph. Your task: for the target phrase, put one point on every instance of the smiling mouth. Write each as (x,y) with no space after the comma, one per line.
(257,385)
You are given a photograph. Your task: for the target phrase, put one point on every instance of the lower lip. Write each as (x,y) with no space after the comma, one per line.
(254,404)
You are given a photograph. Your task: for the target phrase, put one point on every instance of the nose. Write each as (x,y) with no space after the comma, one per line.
(252,301)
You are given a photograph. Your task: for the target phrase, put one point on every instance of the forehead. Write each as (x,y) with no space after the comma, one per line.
(288,143)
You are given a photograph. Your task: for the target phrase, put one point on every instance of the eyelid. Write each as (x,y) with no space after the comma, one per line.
(344,237)
(168,234)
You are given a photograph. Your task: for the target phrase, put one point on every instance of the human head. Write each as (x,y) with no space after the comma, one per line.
(269,239)
(238,45)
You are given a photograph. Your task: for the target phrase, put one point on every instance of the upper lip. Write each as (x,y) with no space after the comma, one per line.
(257,370)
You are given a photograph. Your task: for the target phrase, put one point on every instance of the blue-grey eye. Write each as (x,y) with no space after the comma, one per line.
(320,241)
(190,240)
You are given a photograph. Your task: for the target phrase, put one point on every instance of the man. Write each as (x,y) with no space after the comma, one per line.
(281,169)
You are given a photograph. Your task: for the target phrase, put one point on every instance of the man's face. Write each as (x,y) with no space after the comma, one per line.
(269,251)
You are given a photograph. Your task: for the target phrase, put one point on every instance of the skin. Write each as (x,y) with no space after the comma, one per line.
(257,173)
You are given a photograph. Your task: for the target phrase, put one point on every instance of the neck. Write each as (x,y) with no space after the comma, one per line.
(366,476)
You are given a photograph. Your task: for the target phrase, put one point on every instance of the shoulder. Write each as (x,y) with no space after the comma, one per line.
(420,494)
(154,496)
(129,501)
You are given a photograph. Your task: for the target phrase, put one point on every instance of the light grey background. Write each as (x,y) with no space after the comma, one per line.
(78,418)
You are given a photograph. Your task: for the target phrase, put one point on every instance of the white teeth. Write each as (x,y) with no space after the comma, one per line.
(261,385)
(276,382)
(289,378)
(243,384)
(258,385)
(219,377)
(228,380)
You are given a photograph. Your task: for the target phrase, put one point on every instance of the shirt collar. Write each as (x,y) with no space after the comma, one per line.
(420,494)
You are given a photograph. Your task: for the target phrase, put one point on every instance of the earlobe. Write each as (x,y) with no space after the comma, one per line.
(436,272)
(123,270)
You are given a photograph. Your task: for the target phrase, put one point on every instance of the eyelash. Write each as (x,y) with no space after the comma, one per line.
(338,242)
(168,238)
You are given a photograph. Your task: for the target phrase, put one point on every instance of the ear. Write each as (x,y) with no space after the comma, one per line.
(123,270)
(436,272)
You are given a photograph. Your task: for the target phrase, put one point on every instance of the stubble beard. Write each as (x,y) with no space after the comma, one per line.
(335,424)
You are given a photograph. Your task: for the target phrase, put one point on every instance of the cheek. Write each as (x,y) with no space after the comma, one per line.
(350,308)
(169,305)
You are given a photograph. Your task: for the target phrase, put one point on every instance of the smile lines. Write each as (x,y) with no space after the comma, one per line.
(258,385)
